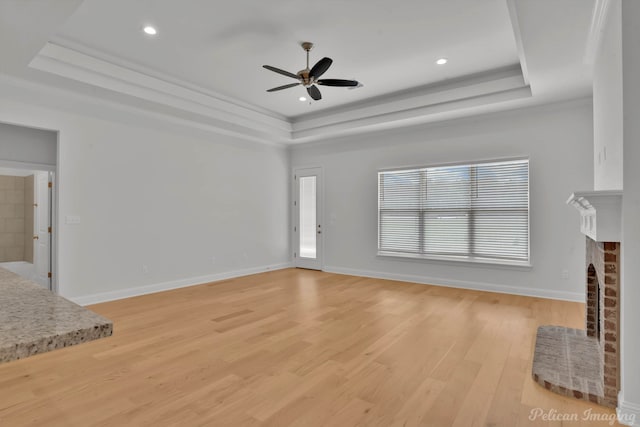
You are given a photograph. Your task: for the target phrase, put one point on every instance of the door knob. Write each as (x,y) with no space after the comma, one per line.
(35,237)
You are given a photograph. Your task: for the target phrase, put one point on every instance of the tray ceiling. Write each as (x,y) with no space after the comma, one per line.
(205,64)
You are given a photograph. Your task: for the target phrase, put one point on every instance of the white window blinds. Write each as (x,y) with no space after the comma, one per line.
(478,211)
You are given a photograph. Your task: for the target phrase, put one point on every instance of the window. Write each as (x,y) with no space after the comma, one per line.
(477,212)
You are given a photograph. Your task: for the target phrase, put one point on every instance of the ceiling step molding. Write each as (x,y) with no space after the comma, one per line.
(75,65)
(598,21)
(417,105)
(200,107)
(70,101)
(517,34)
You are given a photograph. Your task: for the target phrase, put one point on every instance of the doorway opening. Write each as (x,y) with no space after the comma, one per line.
(26,201)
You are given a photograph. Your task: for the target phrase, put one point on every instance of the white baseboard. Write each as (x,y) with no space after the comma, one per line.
(174,284)
(478,286)
(628,412)
(192,281)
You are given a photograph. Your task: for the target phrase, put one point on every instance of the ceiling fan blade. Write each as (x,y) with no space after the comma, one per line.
(320,67)
(283,87)
(337,82)
(314,93)
(283,72)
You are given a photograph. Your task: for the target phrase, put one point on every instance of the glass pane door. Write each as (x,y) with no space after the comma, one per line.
(308,217)
(308,212)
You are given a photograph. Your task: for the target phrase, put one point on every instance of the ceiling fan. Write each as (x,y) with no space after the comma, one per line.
(310,77)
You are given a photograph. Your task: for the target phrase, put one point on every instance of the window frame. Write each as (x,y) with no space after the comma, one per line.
(456,259)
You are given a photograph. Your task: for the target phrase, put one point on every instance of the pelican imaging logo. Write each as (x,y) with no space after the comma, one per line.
(550,415)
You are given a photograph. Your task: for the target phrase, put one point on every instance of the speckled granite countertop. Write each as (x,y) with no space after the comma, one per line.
(34,320)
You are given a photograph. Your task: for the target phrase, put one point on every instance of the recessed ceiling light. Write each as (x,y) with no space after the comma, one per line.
(150,30)
(442,61)
(302,99)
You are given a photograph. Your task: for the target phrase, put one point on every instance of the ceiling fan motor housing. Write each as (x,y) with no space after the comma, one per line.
(305,79)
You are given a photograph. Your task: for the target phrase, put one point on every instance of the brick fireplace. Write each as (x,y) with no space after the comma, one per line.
(602,310)
(585,364)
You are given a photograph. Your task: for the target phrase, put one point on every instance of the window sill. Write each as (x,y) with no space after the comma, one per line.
(489,262)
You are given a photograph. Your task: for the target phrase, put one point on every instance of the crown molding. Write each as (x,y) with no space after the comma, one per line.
(515,25)
(416,105)
(114,60)
(75,65)
(598,22)
(200,108)
(71,101)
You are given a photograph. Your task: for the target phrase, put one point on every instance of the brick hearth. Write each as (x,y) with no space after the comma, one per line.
(586,364)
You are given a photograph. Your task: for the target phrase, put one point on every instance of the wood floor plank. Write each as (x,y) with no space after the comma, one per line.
(299,348)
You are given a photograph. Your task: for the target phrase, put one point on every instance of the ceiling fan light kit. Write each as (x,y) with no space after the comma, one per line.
(309,78)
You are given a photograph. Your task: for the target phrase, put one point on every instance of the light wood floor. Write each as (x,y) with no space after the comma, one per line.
(299,348)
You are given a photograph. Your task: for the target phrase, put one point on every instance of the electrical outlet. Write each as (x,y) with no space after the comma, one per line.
(145,269)
(565,274)
(213,259)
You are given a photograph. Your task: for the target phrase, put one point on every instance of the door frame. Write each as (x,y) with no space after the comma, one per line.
(53,208)
(320,212)
(46,234)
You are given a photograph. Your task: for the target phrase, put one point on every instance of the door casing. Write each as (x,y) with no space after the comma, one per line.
(318,263)
(42,227)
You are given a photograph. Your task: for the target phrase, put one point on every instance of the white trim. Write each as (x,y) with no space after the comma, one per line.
(85,68)
(27,166)
(84,49)
(477,286)
(600,214)
(469,162)
(53,171)
(55,227)
(517,34)
(297,261)
(413,116)
(628,412)
(174,284)
(500,85)
(453,118)
(80,63)
(598,21)
(34,91)
(526,265)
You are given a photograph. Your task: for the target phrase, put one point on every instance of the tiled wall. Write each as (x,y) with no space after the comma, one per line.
(12,218)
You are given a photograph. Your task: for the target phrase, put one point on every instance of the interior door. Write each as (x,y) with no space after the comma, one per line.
(307,229)
(42,236)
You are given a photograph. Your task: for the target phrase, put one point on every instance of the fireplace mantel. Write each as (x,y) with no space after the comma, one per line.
(600,214)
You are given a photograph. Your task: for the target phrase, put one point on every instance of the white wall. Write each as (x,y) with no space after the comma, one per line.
(616,108)
(607,104)
(152,195)
(27,145)
(630,251)
(558,139)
